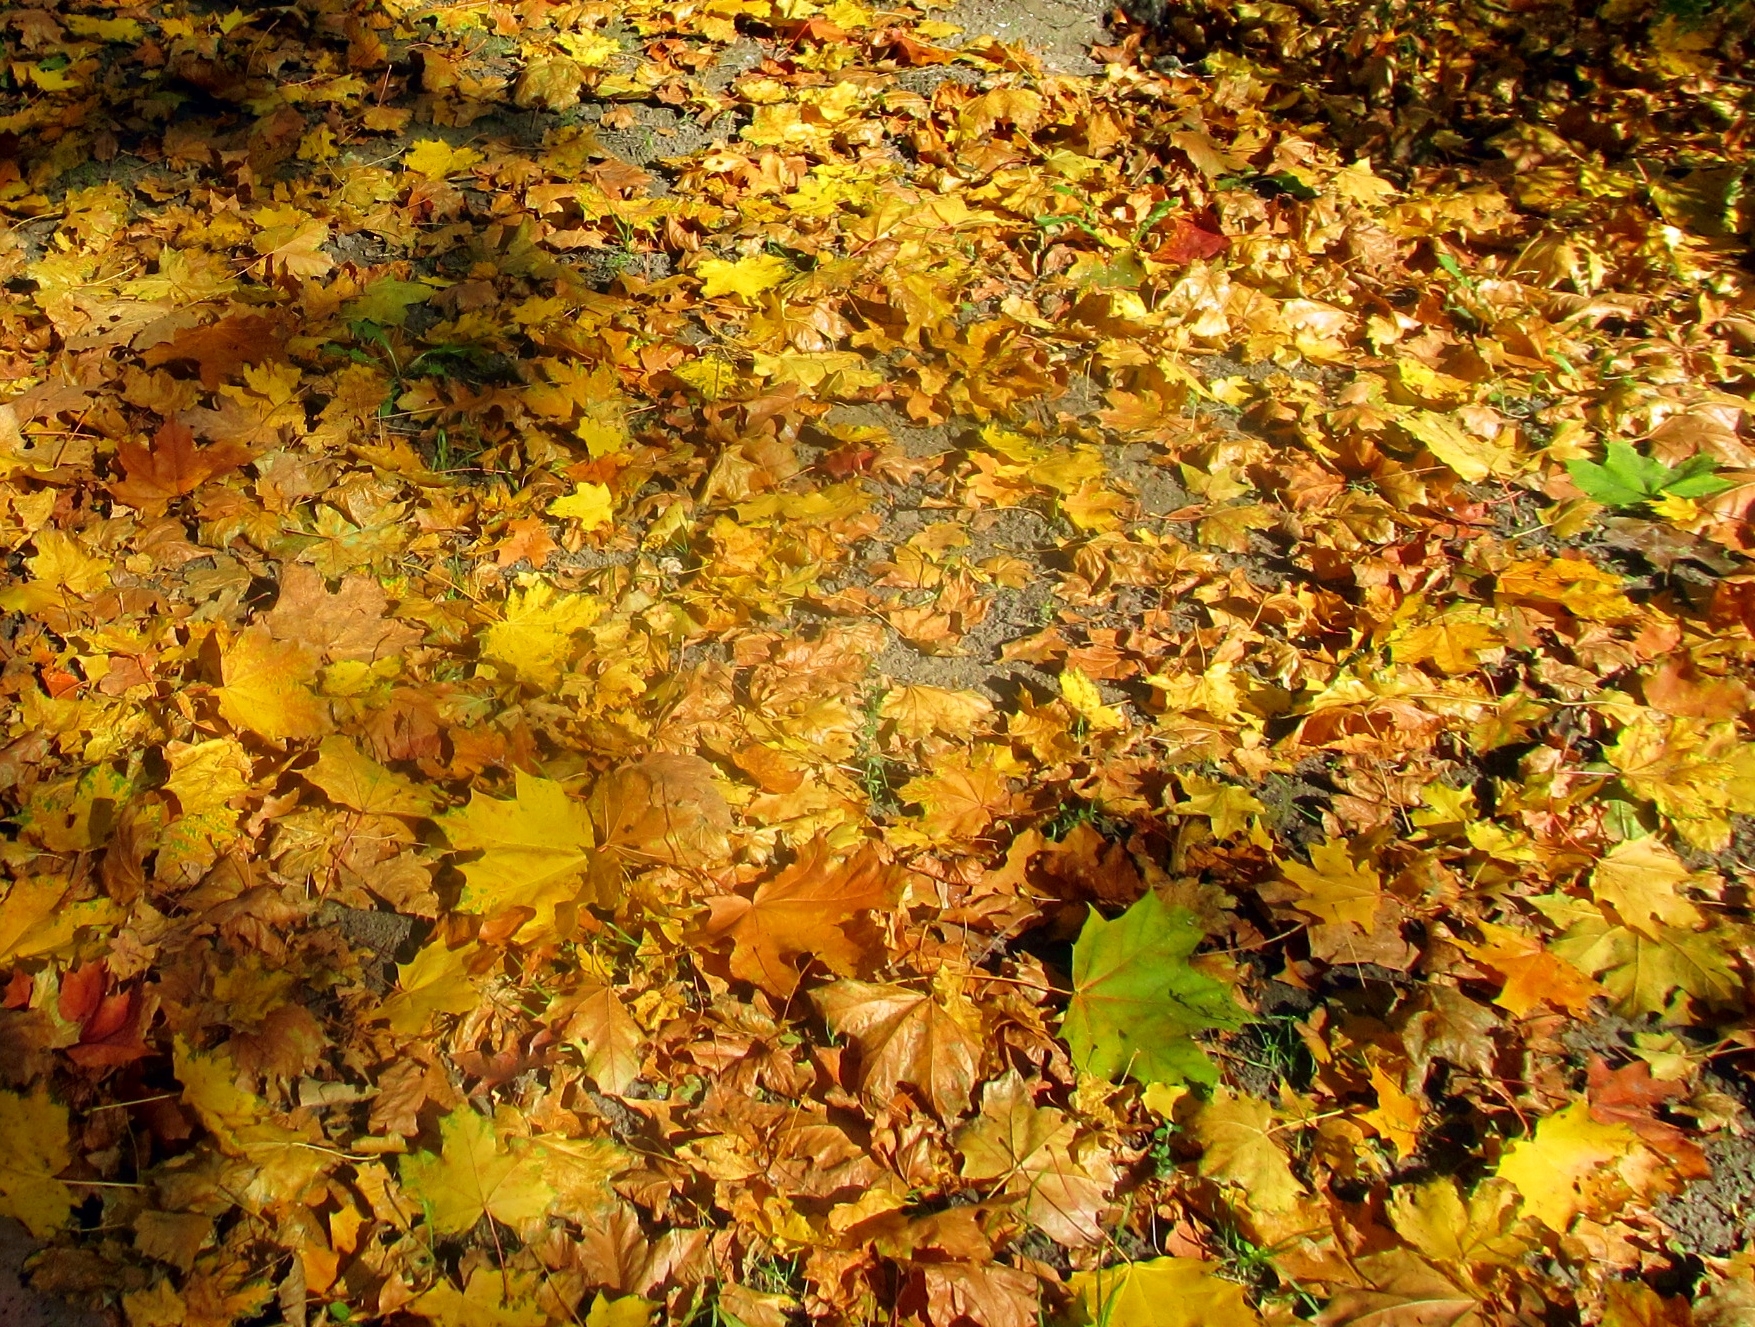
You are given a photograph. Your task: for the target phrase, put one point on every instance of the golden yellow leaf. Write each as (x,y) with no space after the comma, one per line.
(1397,1115)
(435,981)
(35,1132)
(1161,1292)
(1549,1169)
(589,504)
(1639,878)
(534,847)
(919,711)
(1335,888)
(472,1175)
(1081,693)
(354,780)
(488,1300)
(266,687)
(534,637)
(1242,1148)
(747,277)
(437,159)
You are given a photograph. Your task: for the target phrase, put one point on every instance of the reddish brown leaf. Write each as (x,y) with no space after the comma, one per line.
(171,467)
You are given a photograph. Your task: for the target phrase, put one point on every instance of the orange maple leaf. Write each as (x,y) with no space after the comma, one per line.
(803,910)
(172,466)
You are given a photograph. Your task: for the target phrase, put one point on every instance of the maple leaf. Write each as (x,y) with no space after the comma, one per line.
(1480,1231)
(747,277)
(435,981)
(1335,889)
(1473,457)
(919,711)
(960,800)
(1136,1002)
(663,808)
(1401,1289)
(171,467)
(1642,972)
(471,1175)
(265,687)
(804,910)
(1627,479)
(219,349)
(534,636)
(294,246)
(535,848)
(347,625)
(1029,1150)
(907,1036)
(993,1295)
(35,1130)
(1532,974)
(1567,1149)
(1242,1148)
(1639,879)
(1228,807)
(1081,693)
(1397,1115)
(589,504)
(437,160)
(354,780)
(487,1300)
(608,1038)
(1160,1292)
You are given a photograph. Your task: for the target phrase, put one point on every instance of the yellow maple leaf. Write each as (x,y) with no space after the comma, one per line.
(1639,879)
(535,635)
(265,687)
(1081,693)
(436,159)
(1243,1149)
(1334,888)
(1029,1149)
(1397,1114)
(487,1300)
(747,277)
(435,981)
(354,780)
(1568,1148)
(627,1311)
(589,504)
(1227,806)
(920,711)
(1473,457)
(534,848)
(35,1130)
(471,1175)
(1161,1292)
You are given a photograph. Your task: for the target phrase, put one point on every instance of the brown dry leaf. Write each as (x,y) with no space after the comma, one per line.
(664,808)
(807,909)
(1029,1149)
(348,624)
(1242,1147)
(930,1041)
(608,1037)
(171,467)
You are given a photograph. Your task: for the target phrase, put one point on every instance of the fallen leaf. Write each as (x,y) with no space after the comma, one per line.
(1136,1003)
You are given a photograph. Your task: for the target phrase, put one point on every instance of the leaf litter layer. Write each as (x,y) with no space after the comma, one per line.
(751,662)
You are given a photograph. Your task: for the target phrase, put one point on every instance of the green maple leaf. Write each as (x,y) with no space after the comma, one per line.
(1136,1003)
(1625,478)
